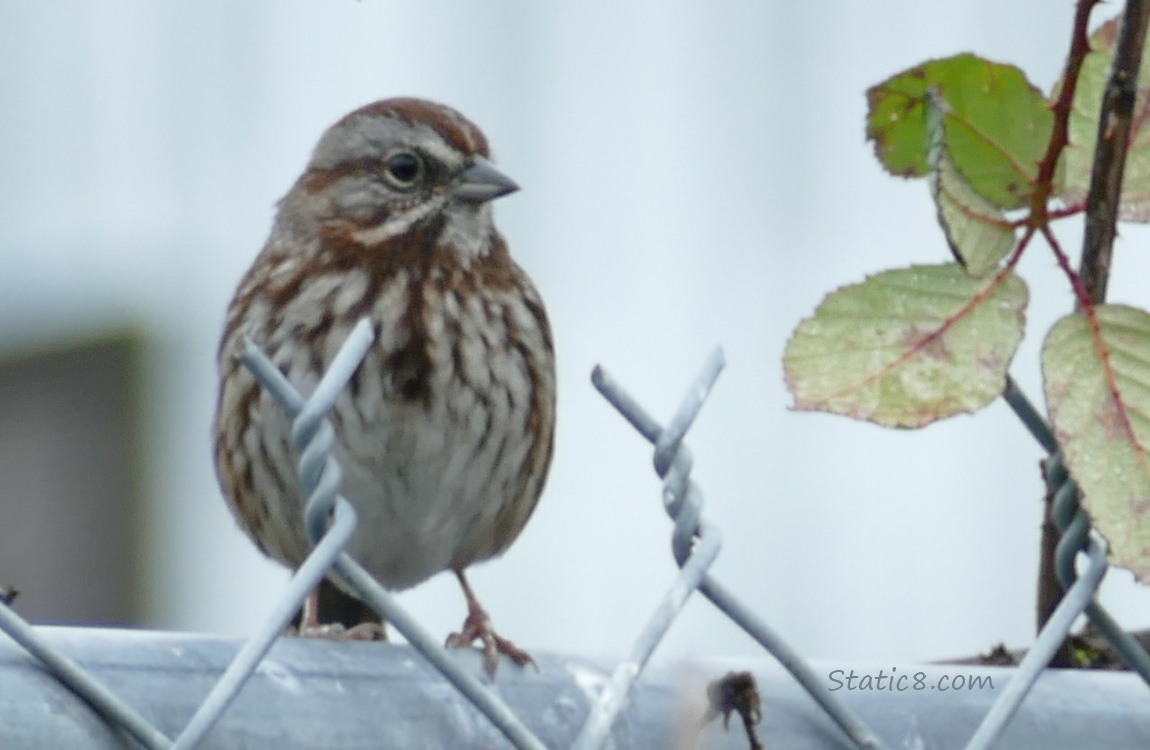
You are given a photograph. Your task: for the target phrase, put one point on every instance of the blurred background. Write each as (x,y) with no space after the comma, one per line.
(693,175)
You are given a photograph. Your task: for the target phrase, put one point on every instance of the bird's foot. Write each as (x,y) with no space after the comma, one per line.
(477,627)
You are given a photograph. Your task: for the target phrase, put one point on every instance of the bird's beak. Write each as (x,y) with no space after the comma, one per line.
(482,182)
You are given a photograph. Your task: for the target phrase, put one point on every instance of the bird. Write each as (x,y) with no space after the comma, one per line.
(445,432)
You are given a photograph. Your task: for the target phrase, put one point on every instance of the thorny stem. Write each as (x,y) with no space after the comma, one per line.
(1102,203)
(1049,589)
(1076,281)
(1091,313)
(1060,133)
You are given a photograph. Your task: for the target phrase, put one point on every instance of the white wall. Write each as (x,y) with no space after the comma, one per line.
(693,174)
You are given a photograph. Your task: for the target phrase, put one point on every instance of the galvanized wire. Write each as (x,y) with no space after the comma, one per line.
(1080,591)
(330,522)
(614,695)
(256,647)
(314,439)
(1030,417)
(696,545)
(683,502)
(1077,598)
(244,664)
(115,711)
(1075,527)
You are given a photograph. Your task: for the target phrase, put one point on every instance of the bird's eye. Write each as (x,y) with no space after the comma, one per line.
(403,169)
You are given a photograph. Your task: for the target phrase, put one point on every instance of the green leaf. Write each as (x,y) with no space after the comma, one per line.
(978,233)
(908,347)
(1098,394)
(1078,157)
(997,126)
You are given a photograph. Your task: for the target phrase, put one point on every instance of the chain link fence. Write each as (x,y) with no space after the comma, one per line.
(569,703)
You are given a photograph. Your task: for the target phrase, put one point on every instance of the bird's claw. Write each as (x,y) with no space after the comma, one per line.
(477,627)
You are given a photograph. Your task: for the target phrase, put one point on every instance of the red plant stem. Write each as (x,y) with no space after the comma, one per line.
(1049,588)
(1087,305)
(1076,282)
(1090,310)
(1061,213)
(1060,133)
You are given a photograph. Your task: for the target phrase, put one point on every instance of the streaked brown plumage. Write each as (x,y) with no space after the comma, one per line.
(445,432)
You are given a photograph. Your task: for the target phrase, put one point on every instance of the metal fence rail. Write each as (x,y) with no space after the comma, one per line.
(311,694)
(580,696)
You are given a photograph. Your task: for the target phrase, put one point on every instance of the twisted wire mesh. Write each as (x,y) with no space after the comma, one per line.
(1075,527)
(1080,591)
(330,522)
(683,502)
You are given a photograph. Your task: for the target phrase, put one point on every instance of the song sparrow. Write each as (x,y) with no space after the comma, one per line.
(445,432)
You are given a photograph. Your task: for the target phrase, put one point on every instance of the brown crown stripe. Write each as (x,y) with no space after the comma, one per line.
(456,129)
